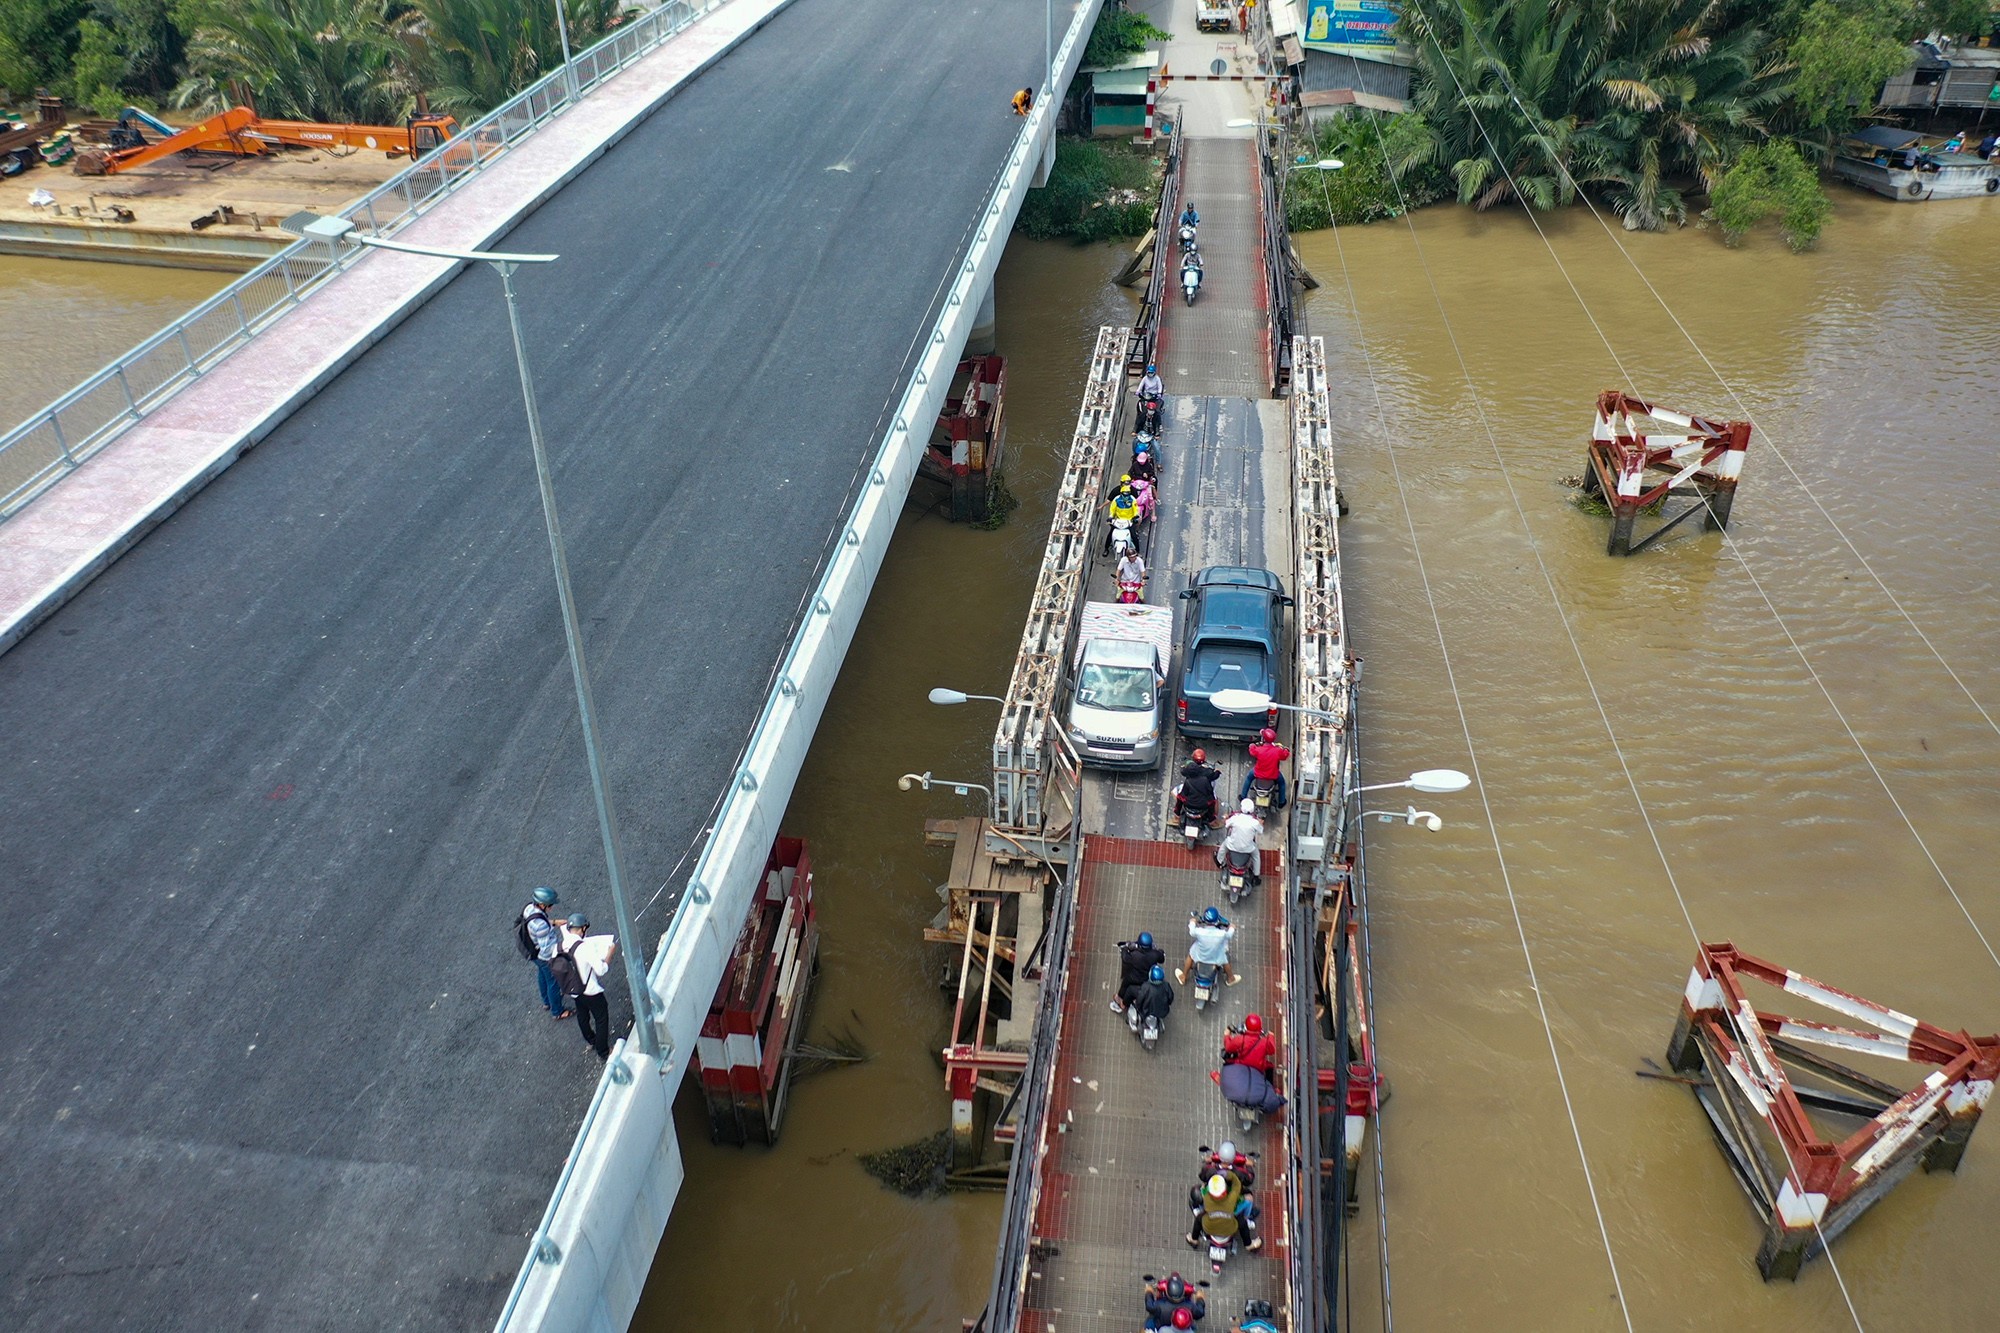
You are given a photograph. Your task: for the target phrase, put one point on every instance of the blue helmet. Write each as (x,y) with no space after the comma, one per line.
(1157,974)
(1211,917)
(546,897)
(1145,939)
(1149,367)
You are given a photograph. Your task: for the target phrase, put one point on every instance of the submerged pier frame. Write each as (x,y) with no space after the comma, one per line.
(1634,468)
(1814,1188)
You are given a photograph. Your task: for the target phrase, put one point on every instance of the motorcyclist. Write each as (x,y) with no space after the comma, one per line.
(1142,491)
(1227,1158)
(1123,505)
(1135,959)
(1172,1295)
(1250,1046)
(1222,1206)
(1154,997)
(1150,384)
(1239,834)
(1267,758)
(1143,468)
(1195,793)
(1209,934)
(1189,217)
(1132,568)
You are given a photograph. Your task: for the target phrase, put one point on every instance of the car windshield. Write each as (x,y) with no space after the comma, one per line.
(1226,666)
(1121,689)
(1246,607)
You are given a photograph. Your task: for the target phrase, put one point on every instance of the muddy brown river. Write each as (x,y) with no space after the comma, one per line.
(1731,674)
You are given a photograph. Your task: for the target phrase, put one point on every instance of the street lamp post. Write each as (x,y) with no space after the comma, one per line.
(562,32)
(334,230)
(910,781)
(943,695)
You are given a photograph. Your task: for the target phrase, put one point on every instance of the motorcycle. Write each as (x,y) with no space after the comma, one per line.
(1205,977)
(1147,1030)
(1130,591)
(1250,1092)
(1187,233)
(1122,544)
(1239,873)
(1190,282)
(1191,819)
(1149,504)
(1264,791)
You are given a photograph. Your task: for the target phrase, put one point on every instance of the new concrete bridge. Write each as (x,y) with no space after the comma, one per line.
(277,779)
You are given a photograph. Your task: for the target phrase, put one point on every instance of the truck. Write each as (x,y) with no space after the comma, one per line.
(1118,684)
(1212,16)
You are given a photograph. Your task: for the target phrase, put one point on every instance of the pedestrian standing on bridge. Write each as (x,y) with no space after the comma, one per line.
(592,955)
(538,937)
(1024,101)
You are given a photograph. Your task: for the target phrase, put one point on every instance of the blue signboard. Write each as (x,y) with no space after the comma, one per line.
(1350,23)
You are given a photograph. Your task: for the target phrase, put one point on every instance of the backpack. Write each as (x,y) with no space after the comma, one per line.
(524,941)
(569,979)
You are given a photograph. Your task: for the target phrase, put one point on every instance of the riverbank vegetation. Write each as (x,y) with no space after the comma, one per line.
(1098,191)
(1646,105)
(361,61)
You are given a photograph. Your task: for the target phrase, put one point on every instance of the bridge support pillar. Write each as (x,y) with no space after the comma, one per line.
(1047,162)
(980,341)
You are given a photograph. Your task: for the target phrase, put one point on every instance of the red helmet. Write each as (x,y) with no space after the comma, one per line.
(1253,1023)
(1200,755)
(1183,1318)
(1269,735)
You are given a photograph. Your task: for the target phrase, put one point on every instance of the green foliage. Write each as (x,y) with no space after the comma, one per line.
(97,70)
(37,40)
(328,60)
(1844,50)
(1771,180)
(1096,192)
(148,41)
(1118,34)
(479,53)
(1386,169)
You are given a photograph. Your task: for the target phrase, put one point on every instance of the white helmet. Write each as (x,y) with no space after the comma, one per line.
(1247,806)
(1227,1152)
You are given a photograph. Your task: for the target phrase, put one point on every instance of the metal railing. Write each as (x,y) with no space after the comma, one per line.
(1277,260)
(56,440)
(1146,332)
(1031,1140)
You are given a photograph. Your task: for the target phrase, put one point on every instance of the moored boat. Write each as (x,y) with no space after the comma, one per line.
(1902,164)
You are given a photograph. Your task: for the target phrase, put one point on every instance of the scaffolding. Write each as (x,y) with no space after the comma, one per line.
(1323,675)
(1020,748)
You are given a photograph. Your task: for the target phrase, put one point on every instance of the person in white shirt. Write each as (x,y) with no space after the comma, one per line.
(1132,568)
(1208,943)
(1151,385)
(1241,831)
(592,955)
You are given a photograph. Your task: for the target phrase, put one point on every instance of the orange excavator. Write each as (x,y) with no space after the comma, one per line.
(242,132)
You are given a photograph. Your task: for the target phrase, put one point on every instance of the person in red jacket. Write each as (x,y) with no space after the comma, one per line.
(1266,760)
(1250,1045)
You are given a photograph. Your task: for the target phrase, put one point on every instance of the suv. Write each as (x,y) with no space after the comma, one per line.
(1233,640)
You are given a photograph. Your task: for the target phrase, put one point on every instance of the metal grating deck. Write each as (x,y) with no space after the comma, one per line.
(1114,1202)
(1220,345)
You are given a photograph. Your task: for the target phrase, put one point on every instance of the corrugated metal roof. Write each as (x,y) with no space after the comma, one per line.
(1121,81)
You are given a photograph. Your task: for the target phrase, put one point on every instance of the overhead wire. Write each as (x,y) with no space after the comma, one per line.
(1472,755)
(1729,541)
(1549,580)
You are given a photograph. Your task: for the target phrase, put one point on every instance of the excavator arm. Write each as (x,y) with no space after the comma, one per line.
(218,134)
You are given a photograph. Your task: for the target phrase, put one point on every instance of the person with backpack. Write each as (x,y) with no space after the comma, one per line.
(537,937)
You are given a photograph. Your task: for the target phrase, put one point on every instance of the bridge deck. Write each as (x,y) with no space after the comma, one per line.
(1114,1199)
(1114,1202)
(276,782)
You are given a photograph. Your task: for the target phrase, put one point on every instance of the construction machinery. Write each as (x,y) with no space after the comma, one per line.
(241,132)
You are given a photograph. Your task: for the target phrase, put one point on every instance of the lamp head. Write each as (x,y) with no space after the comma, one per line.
(941,695)
(1438,781)
(1240,701)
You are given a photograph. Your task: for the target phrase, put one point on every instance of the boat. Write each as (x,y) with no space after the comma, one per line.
(1904,165)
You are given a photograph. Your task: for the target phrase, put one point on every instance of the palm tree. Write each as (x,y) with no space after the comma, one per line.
(1501,89)
(1682,96)
(475,54)
(325,60)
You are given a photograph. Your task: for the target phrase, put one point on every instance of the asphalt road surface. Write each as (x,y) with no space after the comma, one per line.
(275,785)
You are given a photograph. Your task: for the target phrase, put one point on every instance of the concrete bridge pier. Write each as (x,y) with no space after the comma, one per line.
(981,340)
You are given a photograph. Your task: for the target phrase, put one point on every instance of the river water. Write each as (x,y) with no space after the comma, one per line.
(1869,364)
